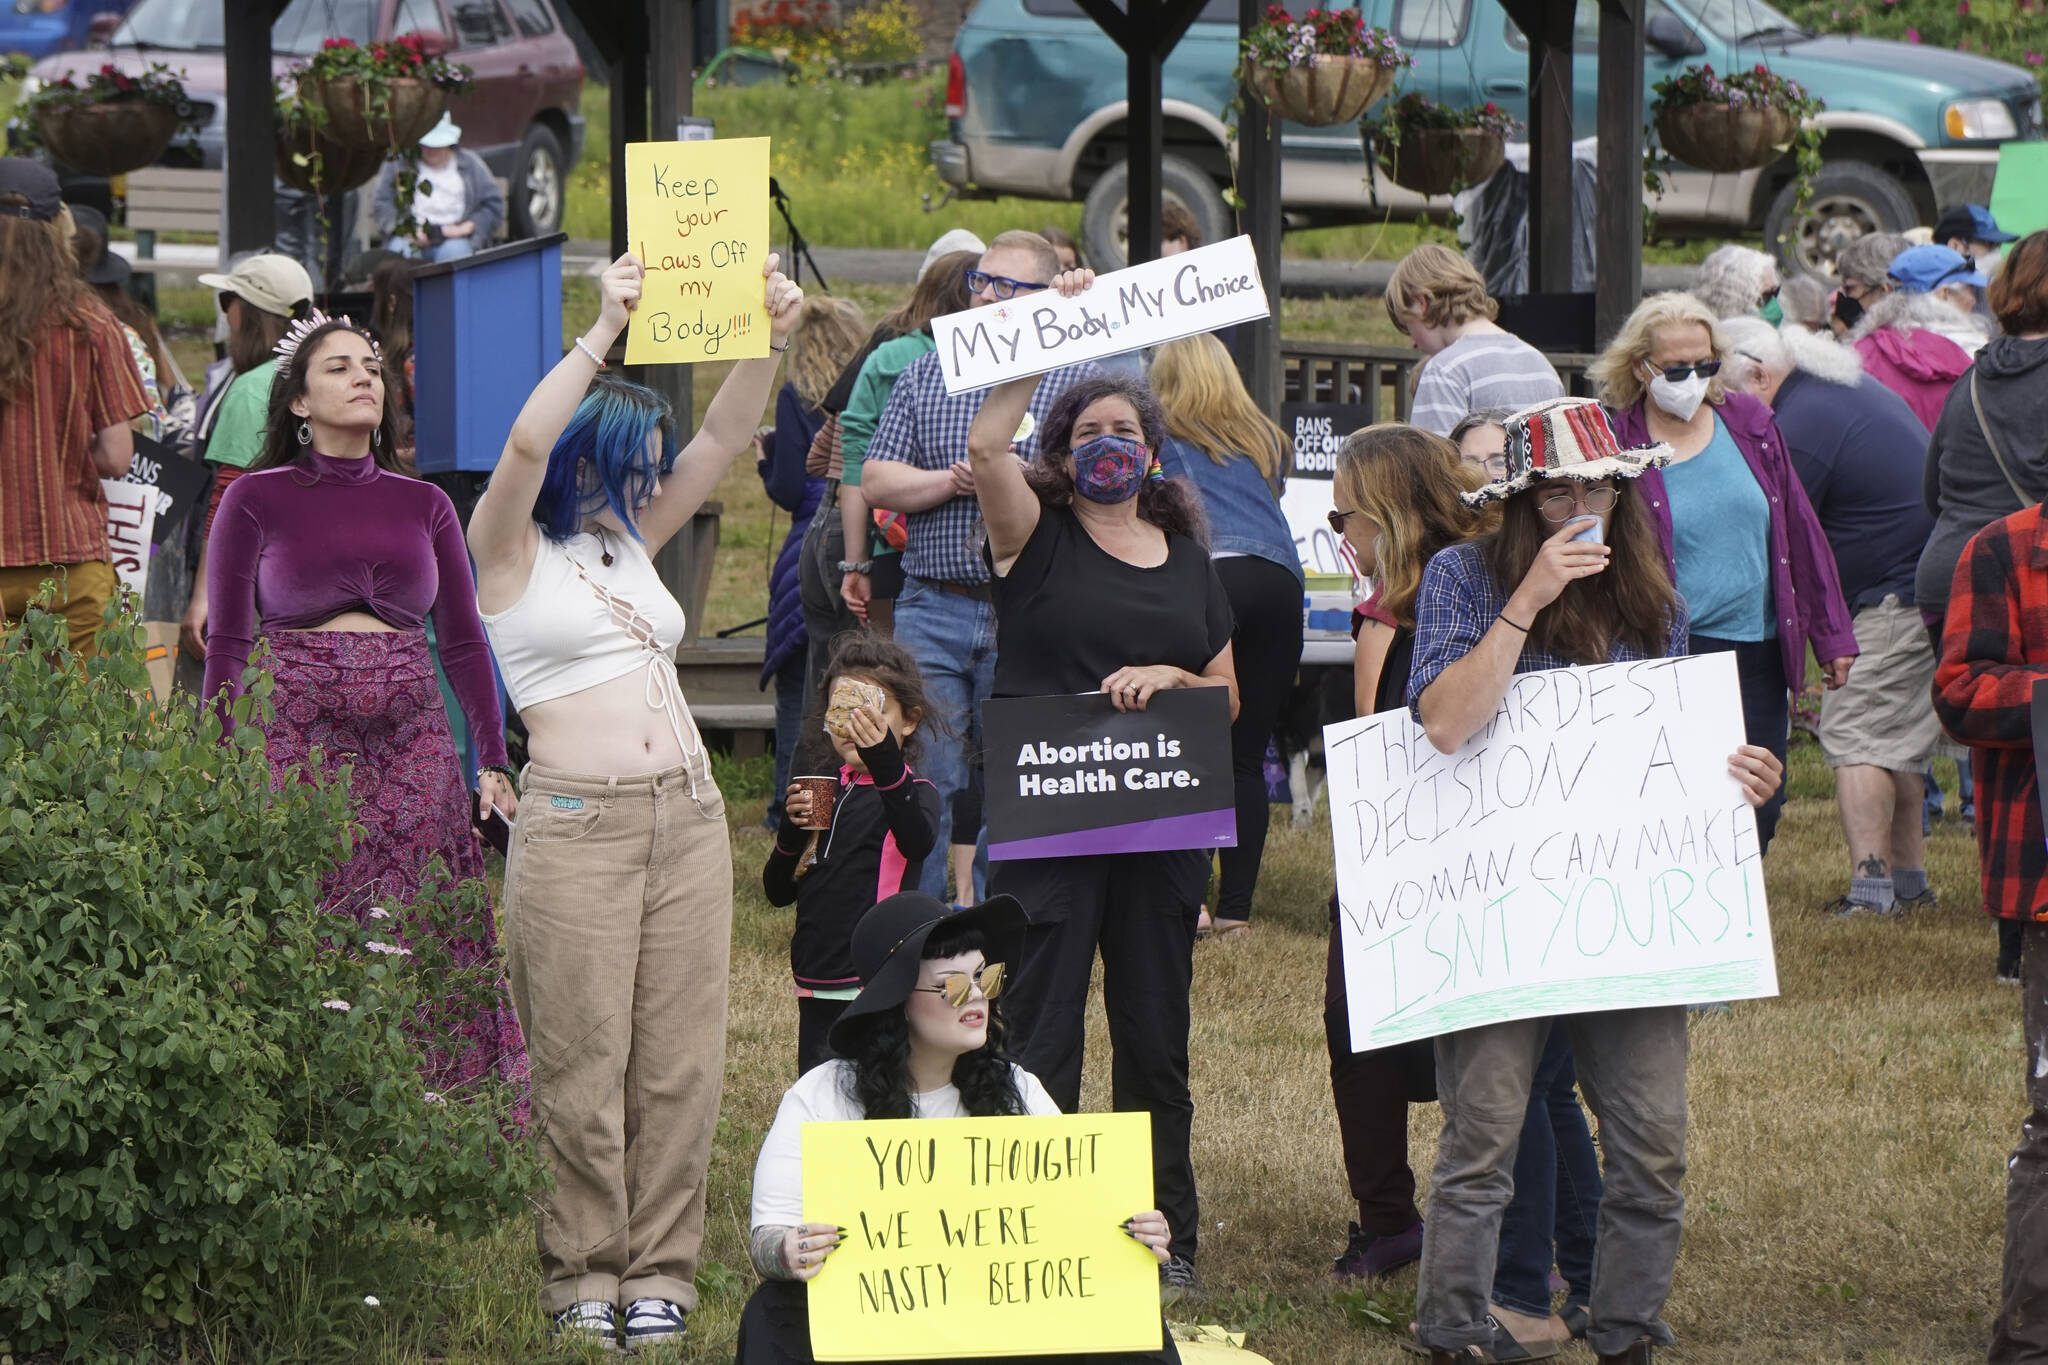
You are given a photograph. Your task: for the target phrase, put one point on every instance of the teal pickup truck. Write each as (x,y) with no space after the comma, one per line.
(1036,107)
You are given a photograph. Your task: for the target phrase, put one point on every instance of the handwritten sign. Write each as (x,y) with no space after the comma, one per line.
(1073,775)
(697,217)
(177,482)
(981,1237)
(1125,310)
(131,515)
(1587,850)
(1318,431)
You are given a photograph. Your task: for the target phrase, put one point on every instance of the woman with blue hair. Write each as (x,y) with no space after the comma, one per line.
(618,887)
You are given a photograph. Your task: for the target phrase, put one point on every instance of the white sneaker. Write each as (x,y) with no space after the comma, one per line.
(591,1322)
(650,1322)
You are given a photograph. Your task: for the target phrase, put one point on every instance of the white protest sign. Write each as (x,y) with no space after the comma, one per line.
(1587,850)
(1125,310)
(131,515)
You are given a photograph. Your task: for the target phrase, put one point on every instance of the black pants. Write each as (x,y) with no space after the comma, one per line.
(1139,909)
(1766,712)
(1372,1091)
(825,611)
(1267,648)
(814,1020)
(775,1329)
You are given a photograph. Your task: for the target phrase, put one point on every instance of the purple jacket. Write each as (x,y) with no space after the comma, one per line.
(1805,593)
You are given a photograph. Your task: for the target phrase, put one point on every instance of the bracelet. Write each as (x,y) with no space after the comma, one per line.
(856,565)
(511,779)
(783,349)
(1502,617)
(597,359)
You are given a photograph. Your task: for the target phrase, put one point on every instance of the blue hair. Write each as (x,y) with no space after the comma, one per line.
(609,432)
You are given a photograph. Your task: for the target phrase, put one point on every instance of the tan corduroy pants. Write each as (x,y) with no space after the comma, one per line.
(617,929)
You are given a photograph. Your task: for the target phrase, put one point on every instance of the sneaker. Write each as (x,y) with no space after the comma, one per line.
(1841,907)
(1926,900)
(2008,973)
(1177,1281)
(1537,1338)
(1368,1258)
(588,1323)
(649,1322)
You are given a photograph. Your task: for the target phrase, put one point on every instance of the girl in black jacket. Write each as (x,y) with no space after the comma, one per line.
(882,827)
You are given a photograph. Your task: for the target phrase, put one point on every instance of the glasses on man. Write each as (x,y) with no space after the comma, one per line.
(1678,374)
(959,987)
(1002,286)
(1560,506)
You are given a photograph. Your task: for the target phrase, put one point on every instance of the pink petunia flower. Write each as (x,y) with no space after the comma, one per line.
(1912,35)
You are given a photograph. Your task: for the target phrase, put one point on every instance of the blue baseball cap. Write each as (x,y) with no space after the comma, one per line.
(1971,223)
(1923,269)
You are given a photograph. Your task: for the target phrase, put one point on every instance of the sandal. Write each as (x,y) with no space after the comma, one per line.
(1203,925)
(1232,928)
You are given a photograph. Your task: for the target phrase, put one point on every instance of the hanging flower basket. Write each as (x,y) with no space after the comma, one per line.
(111,124)
(1435,149)
(309,160)
(1731,123)
(1323,68)
(364,117)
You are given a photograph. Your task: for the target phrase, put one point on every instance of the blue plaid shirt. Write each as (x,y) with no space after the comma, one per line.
(1456,606)
(926,428)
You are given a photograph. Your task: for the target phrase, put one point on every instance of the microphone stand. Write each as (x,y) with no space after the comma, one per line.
(799,249)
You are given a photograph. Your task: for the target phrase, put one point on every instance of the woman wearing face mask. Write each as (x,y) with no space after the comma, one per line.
(1738,531)
(1102,582)
(1738,282)
(1913,344)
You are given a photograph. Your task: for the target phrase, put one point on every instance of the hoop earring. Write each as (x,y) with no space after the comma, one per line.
(305,433)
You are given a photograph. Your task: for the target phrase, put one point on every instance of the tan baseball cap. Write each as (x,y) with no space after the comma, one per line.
(276,284)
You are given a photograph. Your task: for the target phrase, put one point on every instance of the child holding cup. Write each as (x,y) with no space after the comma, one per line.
(855,837)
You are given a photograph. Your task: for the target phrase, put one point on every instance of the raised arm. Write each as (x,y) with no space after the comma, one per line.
(1008,506)
(729,422)
(502,534)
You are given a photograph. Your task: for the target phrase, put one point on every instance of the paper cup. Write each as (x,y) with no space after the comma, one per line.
(824,796)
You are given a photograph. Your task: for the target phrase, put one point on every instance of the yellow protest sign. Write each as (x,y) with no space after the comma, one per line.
(981,1237)
(697,217)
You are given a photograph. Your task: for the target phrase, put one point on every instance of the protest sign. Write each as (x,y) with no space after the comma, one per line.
(981,1237)
(1587,850)
(131,513)
(697,217)
(1125,310)
(177,482)
(1317,431)
(1073,775)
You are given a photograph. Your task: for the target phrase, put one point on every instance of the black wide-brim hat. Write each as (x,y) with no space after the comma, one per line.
(888,944)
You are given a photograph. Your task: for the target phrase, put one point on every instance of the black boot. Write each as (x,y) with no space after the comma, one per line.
(1636,1353)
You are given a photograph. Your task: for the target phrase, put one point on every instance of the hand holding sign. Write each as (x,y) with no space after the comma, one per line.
(697,216)
(805,1247)
(619,292)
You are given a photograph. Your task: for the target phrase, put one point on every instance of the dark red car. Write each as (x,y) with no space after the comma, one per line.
(522,118)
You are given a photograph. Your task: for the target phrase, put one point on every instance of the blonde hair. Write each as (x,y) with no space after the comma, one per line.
(1207,406)
(1445,285)
(1407,481)
(828,333)
(1018,239)
(1617,374)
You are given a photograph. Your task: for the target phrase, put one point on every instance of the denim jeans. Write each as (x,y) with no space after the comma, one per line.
(953,639)
(1557,1193)
(1632,1064)
(447,249)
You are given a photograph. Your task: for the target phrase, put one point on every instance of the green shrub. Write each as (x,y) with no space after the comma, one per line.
(187,1110)
(2013,31)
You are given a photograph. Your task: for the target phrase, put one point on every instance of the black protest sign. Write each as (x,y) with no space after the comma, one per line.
(1073,775)
(176,479)
(1318,431)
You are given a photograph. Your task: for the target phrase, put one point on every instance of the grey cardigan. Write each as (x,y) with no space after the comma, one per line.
(486,203)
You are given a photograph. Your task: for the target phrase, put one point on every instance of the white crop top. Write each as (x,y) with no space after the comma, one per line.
(581,622)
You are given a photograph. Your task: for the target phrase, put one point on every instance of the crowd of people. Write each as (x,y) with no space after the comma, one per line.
(1763,470)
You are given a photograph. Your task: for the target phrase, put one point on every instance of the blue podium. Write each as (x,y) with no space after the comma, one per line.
(485,330)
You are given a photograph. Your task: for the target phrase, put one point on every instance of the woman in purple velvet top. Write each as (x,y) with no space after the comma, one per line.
(343,559)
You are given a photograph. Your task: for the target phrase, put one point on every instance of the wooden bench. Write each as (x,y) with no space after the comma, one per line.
(169,199)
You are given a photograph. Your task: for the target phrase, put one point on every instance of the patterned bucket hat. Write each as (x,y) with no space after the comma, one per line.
(1565,438)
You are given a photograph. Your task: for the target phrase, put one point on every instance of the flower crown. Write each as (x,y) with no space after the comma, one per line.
(287,350)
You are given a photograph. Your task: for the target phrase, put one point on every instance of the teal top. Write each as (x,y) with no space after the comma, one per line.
(871,390)
(238,428)
(1721,541)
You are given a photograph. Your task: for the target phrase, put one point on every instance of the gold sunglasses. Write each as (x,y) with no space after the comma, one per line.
(958,987)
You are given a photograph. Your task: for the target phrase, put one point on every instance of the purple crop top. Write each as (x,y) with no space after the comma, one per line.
(302,544)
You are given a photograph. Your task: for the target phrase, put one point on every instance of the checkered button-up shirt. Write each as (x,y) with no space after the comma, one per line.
(1994,648)
(925,427)
(1455,607)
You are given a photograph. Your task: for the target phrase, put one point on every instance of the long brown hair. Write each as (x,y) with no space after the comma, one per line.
(1407,481)
(1173,505)
(1206,405)
(43,288)
(255,338)
(940,290)
(1631,602)
(281,429)
(829,333)
(87,247)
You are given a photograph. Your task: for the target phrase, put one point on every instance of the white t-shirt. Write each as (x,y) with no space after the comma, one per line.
(825,1094)
(441,196)
(1483,370)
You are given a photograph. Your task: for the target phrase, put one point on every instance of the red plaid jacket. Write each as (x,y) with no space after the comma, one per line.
(1994,647)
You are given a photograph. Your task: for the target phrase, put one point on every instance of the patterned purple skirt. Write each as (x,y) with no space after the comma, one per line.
(370,699)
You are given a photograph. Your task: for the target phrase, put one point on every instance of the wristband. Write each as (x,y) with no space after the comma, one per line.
(783,349)
(1502,617)
(501,770)
(856,565)
(597,359)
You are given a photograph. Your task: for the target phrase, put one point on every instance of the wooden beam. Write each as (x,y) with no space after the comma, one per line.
(251,137)
(1144,131)
(671,48)
(1547,24)
(1618,223)
(628,94)
(1258,183)
(1110,18)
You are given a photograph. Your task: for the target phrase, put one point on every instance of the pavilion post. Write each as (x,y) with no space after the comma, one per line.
(671,45)
(1547,24)
(1258,184)
(1618,223)
(251,138)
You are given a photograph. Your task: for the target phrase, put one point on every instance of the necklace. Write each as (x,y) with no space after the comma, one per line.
(603,545)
